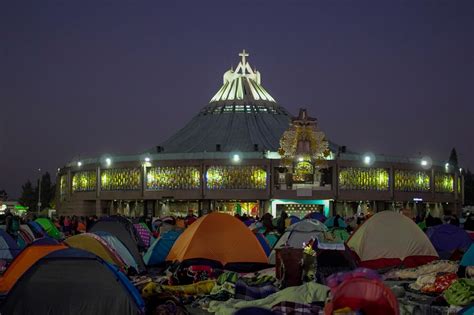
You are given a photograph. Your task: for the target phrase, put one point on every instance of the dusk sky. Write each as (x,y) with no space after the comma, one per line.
(85,78)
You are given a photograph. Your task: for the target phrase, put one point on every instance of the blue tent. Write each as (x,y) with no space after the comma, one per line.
(119,247)
(37,229)
(160,248)
(8,247)
(263,241)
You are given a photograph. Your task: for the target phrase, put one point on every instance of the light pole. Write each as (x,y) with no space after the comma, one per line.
(39,191)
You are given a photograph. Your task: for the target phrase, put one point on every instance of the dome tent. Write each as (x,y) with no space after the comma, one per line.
(160,248)
(389,239)
(221,238)
(119,248)
(49,227)
(8,247)
(447,238)
(125,232)
(72,281)
(27,257)
(94,244)
(295,235)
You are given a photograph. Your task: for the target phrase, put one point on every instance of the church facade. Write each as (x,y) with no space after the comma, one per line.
(245,153)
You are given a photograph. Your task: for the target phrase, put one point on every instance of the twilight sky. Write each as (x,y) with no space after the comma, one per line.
(83,78)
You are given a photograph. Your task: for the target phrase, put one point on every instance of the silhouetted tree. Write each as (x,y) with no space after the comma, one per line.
(3,195)
(47,191)
(453,159)
(28,196)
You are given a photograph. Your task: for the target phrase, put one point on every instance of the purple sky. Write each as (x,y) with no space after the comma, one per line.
(82,78)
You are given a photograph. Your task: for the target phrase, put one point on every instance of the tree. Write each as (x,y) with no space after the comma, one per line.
(453,159)
(3,195)
(28,196)
(47,191)
(469,188)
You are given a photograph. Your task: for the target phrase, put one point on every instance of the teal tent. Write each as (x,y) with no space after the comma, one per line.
(160,248)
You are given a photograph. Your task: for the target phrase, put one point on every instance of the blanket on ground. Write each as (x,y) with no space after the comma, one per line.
(303,294)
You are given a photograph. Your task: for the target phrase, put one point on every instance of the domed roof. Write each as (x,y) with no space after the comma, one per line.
(242,116)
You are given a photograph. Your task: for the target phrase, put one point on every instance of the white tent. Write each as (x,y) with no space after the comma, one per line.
(297,234)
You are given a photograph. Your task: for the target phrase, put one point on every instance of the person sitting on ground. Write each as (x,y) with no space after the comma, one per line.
(267,223)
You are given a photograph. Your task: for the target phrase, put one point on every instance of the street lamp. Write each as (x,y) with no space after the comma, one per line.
(236,158)
(369,158)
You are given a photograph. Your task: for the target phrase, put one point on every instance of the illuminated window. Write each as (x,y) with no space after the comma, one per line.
(409,180)
(120,179)
(63,187)
(353,178)
(303,172)
(236,177)
(84,181)
(173,177)
(444,183)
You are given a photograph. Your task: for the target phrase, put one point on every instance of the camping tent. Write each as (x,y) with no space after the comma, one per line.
(144,234)
(264,243)
(119,248)
(316,216)
(332,222)
(124,234)
(340,234)
(8,247)
(219,237)
(94,244)
(388,239)
(160,248)
(25,259)
(72,281)
(468,257)
(447,238)
(26,228)
(297,234)
(37,229)
(49,227)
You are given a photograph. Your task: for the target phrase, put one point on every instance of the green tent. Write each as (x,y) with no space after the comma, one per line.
(49,227)
(340,234)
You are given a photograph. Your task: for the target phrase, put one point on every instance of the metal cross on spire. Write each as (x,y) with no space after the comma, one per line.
(243,54)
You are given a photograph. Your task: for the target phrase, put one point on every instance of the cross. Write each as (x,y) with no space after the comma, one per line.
(243,54)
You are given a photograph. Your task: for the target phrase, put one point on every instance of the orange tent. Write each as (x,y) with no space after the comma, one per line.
(219,237)
(27,258)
